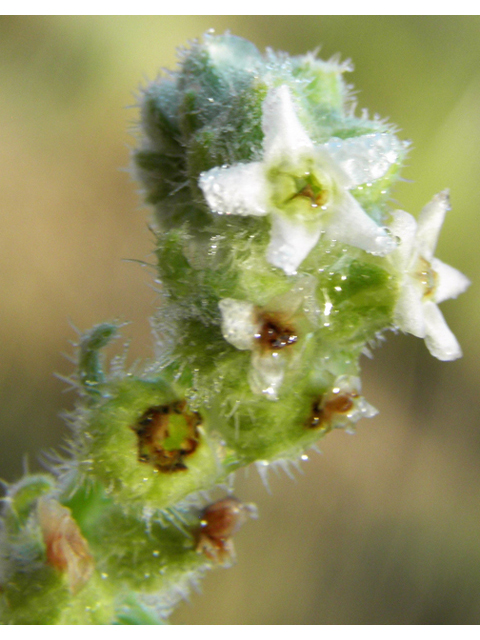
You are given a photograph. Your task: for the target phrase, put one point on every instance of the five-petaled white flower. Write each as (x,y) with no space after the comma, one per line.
(425,280)
(304,187)
(270,335)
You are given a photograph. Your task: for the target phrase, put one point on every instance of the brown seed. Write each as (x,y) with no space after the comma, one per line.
(66,548)
(341,403)
(223,518)
(218,523)
(324,409)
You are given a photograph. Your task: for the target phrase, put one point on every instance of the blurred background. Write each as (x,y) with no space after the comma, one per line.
(384,526)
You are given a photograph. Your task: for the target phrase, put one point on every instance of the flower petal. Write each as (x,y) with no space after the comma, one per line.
(238,322)
(430,222)
(439,339)
(451,282)
(409,310)
(240,189)
(291,242)
(366,158)
(351,225)
(403,227)
(266,375)
(285,136)
(363,409)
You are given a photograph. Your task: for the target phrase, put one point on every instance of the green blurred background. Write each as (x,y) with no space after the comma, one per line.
(384,527)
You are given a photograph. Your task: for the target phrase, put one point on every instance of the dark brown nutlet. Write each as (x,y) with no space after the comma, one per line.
(218,523)
(223,518)
(324,409)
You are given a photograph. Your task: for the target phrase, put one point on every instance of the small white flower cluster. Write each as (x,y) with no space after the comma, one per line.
(304,188)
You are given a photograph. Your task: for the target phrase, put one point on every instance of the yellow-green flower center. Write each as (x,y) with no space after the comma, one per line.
(309,187)
(427,277)
(303,191)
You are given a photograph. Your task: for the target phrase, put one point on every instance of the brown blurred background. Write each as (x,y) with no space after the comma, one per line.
(384,527)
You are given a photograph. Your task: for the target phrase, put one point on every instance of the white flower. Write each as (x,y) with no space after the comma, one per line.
(268,334)
(304,187)
(425,280)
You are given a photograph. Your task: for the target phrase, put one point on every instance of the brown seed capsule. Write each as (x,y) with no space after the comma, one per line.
(274,332)
(66,548)
(325,408)
(218,523)
(167,434)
